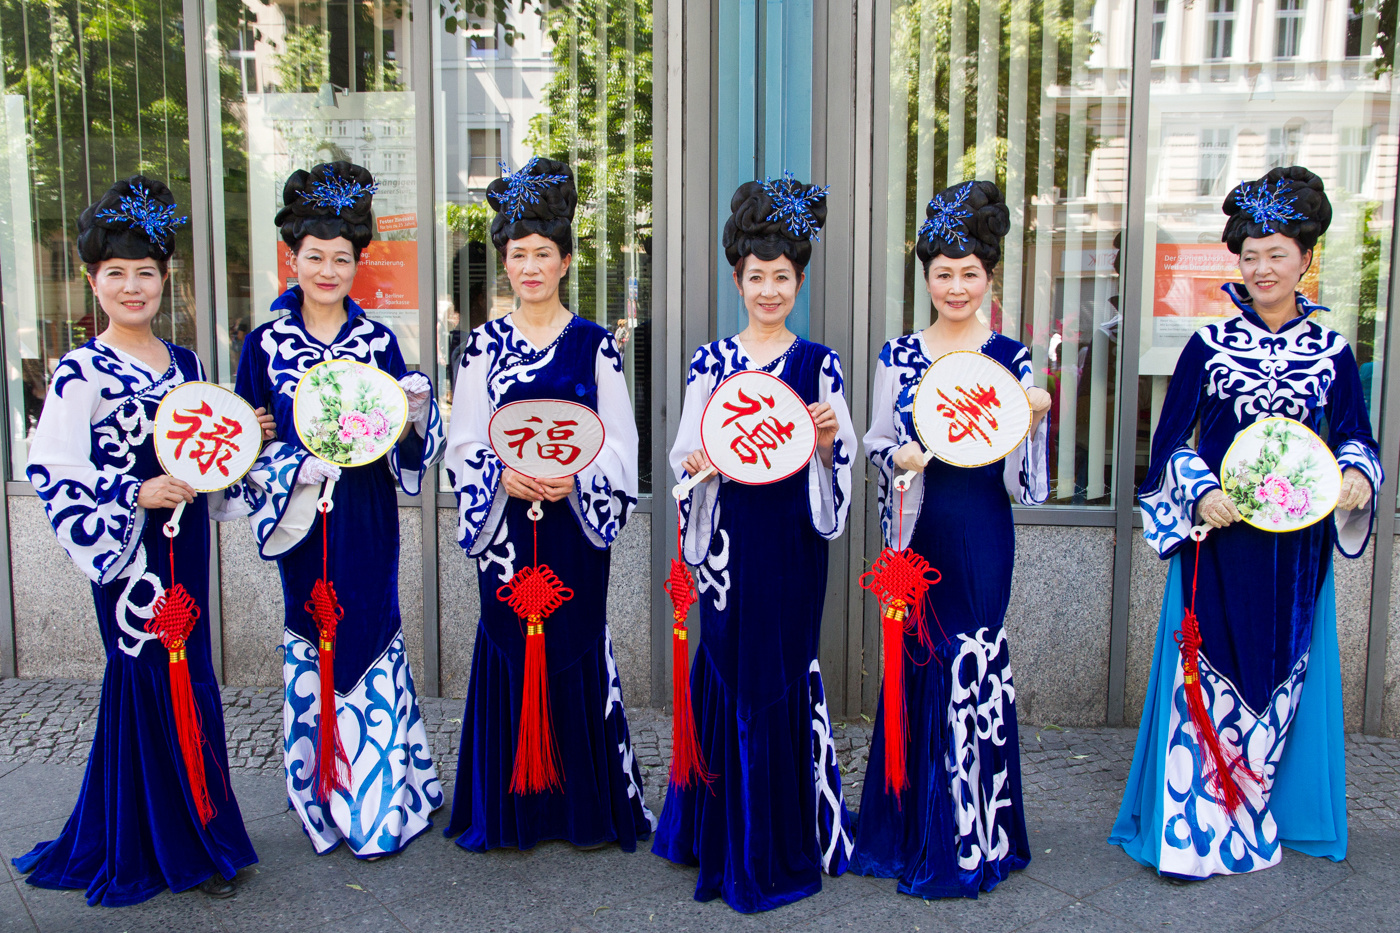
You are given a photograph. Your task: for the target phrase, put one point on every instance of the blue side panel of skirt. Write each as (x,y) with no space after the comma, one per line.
(1308,800)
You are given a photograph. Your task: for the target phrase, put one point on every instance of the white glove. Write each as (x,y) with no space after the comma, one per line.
(419,392)
(315,470)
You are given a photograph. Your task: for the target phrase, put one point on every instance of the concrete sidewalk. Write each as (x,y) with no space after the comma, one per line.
(1075,881)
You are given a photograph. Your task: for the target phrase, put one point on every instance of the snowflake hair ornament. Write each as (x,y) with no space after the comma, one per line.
(1266,207)
(141,211)
(792,205)
(337,194)
(947,219)
(522,188)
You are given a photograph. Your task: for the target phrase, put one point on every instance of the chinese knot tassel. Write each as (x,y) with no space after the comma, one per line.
(687,760)
(1216,766)
(174,619)
(896,726)
(899,580)
(332,764)
(533,593)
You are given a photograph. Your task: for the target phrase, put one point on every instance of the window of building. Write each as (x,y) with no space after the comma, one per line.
(1214,159)
(1283,146)
(1353,157)
(1289,29)
(484,154)
(1159,27)
(1356,28)
(1220,30)
(481,43)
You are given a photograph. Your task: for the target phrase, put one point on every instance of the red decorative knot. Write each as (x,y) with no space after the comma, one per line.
(682,590)
(534,592)
(900,576)
(174,619)
(325,610)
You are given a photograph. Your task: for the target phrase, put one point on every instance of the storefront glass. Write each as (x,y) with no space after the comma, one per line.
(1034,95)
(302,82)
(94,91)
(565,81)
(1233,96)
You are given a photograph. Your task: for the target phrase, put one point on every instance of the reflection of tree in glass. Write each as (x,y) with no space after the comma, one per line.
(103,92)
(303,62)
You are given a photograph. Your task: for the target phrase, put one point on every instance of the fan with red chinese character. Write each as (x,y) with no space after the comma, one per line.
(543,439)
(969,410)
(208,437)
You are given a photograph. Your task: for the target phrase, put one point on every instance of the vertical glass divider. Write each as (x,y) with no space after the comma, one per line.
(1133,264)
(205,255)
(1382,580)
(421,76)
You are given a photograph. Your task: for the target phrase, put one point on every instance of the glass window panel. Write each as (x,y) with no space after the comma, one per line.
(94,91)
(1345,128)
(1034,95)
(301,82)
(572,83)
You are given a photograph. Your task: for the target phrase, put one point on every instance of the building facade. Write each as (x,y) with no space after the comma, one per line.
(1115,128)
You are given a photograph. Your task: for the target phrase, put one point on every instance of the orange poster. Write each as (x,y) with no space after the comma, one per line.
(1188,284)
(387,279)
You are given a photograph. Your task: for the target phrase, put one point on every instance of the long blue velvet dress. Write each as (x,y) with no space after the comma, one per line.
(1269,664)
(393,786)
(772,819)
(959,828)
(602,799)
(135,830)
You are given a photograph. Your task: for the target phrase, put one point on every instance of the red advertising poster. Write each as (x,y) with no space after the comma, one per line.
(387,279)
(1188,284)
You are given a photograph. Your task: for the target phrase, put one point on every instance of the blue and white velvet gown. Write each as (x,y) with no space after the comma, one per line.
(393,784)
(135,830)
(772,819)
(602,797)
(959,828)
(1269,664)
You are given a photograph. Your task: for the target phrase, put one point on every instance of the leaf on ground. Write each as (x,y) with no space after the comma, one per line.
(604,907)
(1077,757)
(1051,727)
(355,886)
(866,718)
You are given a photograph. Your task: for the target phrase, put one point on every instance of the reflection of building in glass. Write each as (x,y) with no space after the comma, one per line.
(1243,86)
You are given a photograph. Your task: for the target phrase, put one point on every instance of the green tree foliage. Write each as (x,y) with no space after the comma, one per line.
(103,91)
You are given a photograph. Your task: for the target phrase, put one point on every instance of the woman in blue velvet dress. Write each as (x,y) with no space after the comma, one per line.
(1269,668)
(392,785)
(543,351)
(959,827)
(771,818)
(136,829)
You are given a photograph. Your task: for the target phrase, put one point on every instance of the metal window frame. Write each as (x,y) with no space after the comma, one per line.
(1129,340)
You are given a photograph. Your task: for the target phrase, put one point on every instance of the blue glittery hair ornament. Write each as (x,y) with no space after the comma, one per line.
(337,194)
(793,204)
(969,218)
(539,199)
(948,217)
(333,200)
(524,188)
(135,219)
(1289,201)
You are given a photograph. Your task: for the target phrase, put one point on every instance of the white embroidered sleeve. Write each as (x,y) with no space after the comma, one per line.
(829,488)
(473,469)
(605,491)
(699,511)
(1169,511)
(881,441)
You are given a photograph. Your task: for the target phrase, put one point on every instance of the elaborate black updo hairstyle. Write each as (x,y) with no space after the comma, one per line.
(135,219)
(334,199)
(774,218)
(1287,200)
(540,198)
(969,218)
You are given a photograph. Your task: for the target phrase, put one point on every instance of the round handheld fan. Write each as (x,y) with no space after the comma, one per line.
(349,413)
(546,438)
(969,410)
(1280,475)
(206,436)
(755,430)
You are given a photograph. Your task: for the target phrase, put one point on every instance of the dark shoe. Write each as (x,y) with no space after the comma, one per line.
(218,886)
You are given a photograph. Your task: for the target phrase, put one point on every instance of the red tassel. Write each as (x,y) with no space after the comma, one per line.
(535,592)
(896,725)
(1219,769)
(332,764)
(174,619)
(687,761)
(899,580)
